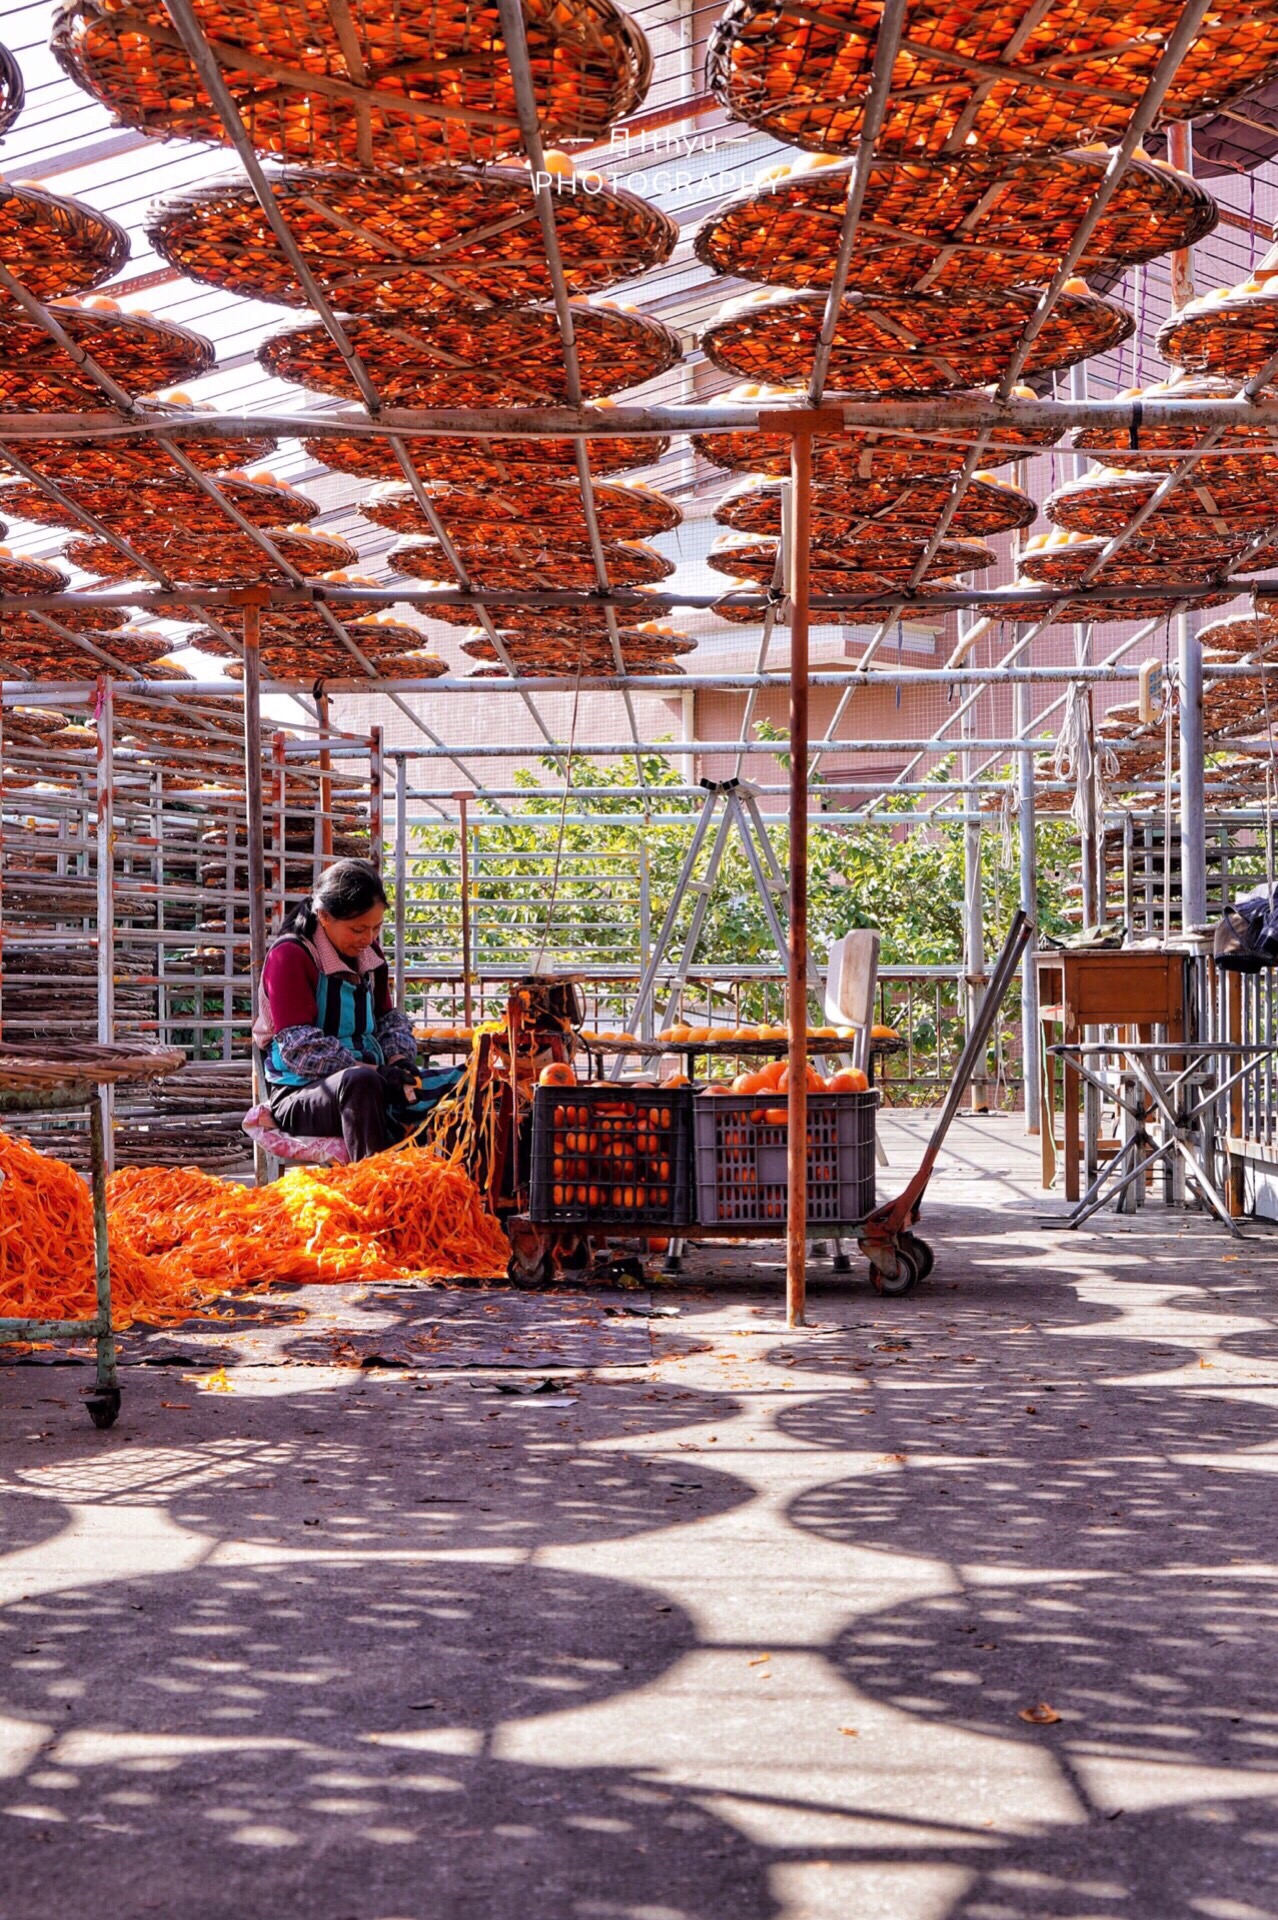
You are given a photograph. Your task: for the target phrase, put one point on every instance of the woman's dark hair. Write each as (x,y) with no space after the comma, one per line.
(345,890)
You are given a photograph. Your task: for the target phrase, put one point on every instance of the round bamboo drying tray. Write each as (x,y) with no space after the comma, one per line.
(500,544)
(52,658)
(572,623)
(1235,706)
(499,462)
(528,650)
(151,500)
(381,243)
(96,623)
(911,343)
(57,246)
(494,356)
(1201,506)
(138,457)
(553,508)
(889,558)
(50,1063)
(307,664)
(529,568)
(382,87)
(852,508)
(978,221)
(12,93)
(1249,636)
(1161,552)
(1241,451)
(28,576)
(216,555)
(1233,336)
(36,376)
(859,453)
(998,78)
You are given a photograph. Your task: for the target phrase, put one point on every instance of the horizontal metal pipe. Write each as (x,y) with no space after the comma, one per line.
(968,413)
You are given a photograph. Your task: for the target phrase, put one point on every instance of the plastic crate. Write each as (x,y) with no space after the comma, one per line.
(741,1160)
(611,1155)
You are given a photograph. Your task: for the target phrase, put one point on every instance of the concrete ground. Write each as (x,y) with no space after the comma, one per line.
(637,1607)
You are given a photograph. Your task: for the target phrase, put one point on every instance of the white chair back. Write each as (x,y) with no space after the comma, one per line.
(851,982)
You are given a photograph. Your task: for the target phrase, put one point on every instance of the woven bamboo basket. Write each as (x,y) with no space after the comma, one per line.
(90,621)
(497,463)
(303,666)
(532,571)
(981,221)
(31,724)
(530,651)
(1151,556)
(382,87)
(1203,505)
(910,343)
(887,558)
(57,246)
(562,623)
(1024,613)
(214,555)
(746,608)
(495,356)
(853,508)
(1235,706)
(36,376)
(381,243)
(51,1063)
(148,501)
(1232,332)
(860,454)
(1241,636)
(997,78)
(1241,451)
(11,90)
(52,658)
(28,576)
(139,457)
(552,507)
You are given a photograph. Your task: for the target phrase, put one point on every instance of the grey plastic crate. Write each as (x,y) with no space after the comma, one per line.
(741,1159)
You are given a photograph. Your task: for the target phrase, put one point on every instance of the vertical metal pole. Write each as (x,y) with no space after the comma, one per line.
(376,796)
(645,935)
(279,782)
(796,1253)
(463,882)
(1193,822)
(104,716)
(401,873)
(1180,151)
(1,868)
(326,784)
(973,914)
(1030,1037)
(99,1151)
(253,833)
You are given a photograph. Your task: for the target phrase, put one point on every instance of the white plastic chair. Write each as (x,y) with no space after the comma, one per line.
(851,984)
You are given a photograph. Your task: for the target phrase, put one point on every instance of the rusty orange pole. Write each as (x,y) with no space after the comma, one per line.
(796,1248)
(1180,152)
(254,838)
(463,883)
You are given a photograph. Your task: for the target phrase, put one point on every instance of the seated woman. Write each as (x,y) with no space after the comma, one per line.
(338,1055)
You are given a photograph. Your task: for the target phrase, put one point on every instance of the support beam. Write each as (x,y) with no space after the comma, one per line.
(1028,840)
(253,828)
(797,932)
(1193,827)
(104,726)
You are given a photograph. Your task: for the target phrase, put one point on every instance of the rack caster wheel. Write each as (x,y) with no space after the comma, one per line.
(895,1265)
(922,1251)
(104,1406)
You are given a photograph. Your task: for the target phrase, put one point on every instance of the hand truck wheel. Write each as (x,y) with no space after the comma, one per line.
(923,1254)
(895,1265)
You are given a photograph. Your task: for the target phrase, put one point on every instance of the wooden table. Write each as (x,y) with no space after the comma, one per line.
(1110,988)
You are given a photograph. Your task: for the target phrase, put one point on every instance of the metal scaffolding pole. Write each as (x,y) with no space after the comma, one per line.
(973,918)
(1193,825)
(1030,1061)
(796,1254)
(104,727)
(253,833)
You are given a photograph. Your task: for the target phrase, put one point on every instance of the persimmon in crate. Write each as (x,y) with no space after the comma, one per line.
(741,1142)
(611,1154)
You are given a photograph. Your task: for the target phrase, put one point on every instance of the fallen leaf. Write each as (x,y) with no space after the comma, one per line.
(759,1659)
(219,1382)
(1040,1715)
(177,1406)
(854,1732)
